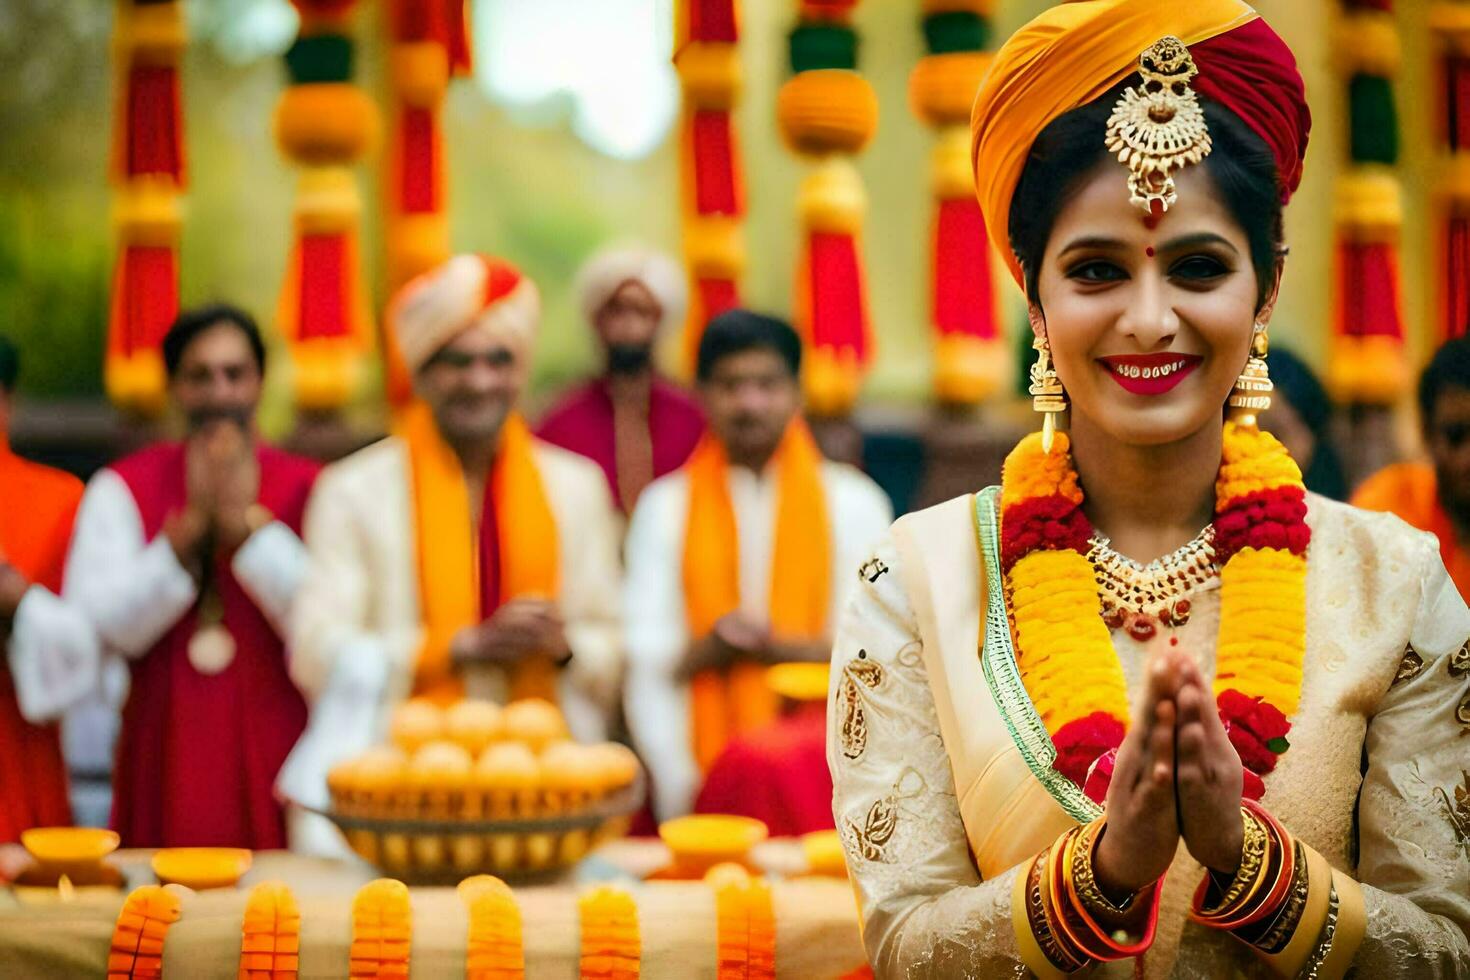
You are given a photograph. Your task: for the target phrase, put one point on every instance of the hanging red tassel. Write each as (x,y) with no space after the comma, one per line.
(457,23)
(716,190)
(1451,25)
(1456,273)
(838,307)
(419,172)
(963,301)
(156,145)
(145,296)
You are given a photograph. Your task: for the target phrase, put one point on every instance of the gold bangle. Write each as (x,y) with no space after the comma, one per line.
(1085,880)
(1039,921)
(1280,928)
(1248,876)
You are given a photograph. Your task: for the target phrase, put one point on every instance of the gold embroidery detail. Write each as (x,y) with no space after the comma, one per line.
(871,839)
(872,570)
(1159,127)
(1459,812)
(1460,661)
(858,674)
(1409,667)
(1462,711)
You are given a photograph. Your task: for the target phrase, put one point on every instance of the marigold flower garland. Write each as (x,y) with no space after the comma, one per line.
(270,934)
(1064,651)
(142,925)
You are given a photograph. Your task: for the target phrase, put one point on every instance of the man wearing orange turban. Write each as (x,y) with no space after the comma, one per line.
(460,555)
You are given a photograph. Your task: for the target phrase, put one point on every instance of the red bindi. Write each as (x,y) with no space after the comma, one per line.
(1173,641)
(1149,251)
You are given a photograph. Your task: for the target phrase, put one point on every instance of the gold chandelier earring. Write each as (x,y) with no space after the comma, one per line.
(1252,392)
(1047,395)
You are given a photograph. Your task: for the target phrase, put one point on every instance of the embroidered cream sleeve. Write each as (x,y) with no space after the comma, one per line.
(924,910)
(1414,812)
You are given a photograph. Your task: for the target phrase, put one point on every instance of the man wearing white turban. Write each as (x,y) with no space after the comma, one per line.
(460,555)
(633,423)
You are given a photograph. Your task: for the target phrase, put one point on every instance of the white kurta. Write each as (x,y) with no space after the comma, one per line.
(53,656)
(654,602)
(359,626)
(131,591)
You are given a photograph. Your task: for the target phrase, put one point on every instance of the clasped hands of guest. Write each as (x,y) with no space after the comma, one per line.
(737,636)
(1175,766)
(520,628)
(222,478)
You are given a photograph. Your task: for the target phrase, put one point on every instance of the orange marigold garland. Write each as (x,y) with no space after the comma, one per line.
(270,941)
(1064,651)
(745,924)
(496,950)
(382,928)
(137,939)
(611,947)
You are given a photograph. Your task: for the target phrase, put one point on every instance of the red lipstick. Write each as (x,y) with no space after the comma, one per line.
(1149,374)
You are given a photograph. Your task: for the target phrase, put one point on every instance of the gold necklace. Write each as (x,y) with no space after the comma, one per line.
(1156,590)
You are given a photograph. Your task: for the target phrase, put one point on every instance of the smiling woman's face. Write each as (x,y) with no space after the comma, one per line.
(1148,327)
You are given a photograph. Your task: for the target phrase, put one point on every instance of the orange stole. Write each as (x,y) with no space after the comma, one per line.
(726,703)
(448,546)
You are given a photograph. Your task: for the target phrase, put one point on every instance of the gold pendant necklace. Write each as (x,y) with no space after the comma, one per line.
(1157,590)
(211,648)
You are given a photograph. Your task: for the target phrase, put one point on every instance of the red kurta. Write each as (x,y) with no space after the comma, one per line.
(582,422)
(197,755)
(37,505)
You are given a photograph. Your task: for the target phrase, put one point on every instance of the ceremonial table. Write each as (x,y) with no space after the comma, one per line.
(816,931)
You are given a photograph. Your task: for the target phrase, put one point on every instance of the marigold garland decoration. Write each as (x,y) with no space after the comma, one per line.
(745,924)
(1064,650)
(828,112)
(325,124)
(1450,22)
(712,201)
(382,928)
(611,948)
(148,176)
(270,943)
(142,925)
(969,351)
(496,949)
(1367,363)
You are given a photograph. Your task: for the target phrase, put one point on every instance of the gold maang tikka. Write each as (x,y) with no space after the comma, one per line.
(1159,127)
(1047,394)
(1252,392)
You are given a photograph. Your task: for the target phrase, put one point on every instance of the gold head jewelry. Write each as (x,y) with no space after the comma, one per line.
(1159,127)
(1252,392)
(1047,395)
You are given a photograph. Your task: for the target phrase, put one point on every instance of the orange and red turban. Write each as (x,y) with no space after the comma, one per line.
(1075,52)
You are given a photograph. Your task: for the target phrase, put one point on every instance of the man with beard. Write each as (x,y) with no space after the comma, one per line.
(1435,496)
(630,421)
(736,562)
(460,555)
(186,559)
